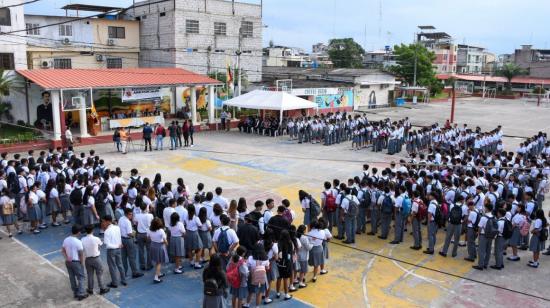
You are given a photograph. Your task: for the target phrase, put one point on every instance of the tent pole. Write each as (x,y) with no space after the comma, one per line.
(281,119)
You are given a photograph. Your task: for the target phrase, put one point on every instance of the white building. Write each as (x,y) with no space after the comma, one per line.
(286,56)
(13,52)
(203,36)
(470,59)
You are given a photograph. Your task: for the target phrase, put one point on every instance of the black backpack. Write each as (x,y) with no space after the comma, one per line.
(439,219)
(491,227)
(508,229)
(13,183)
(161,205)
(76,197)
(387,205)
(543,235)
(476,223)
(211,287)
(365,202)
(352,208)
(455,215)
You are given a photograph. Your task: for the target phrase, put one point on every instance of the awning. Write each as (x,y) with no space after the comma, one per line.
(270,100)
(58,79)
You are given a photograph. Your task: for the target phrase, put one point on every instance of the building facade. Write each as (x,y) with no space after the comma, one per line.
(204,36)
(286,57)
(470,59)
(12,47)
(379,59)
(93,43)
(441,44)
(536,62)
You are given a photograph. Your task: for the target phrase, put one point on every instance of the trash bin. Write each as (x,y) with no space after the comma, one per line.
(400,101)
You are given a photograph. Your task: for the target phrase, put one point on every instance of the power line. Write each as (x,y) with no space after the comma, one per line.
(20,4)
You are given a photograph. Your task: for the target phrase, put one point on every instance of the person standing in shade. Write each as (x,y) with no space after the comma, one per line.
(113,242)
(73,252)
(191,132)
(160,133)
(178,134)
(185,131)
(172,130)
(128,244)
(91,246)
(147,134)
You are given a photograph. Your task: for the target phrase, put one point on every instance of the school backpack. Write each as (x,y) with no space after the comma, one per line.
(223,241)
(445,210)
(287,215)
(476,223)
(491,227)
(161,205)
(406,207)
(365,202)
(525,228)
(13,183)
(259,275)
(330,202)
(455,217)
(439,219)
(137,181)
(422,209)
(314,208)
(387,205)
(508,229)
(233,275)
(211,287)
(352,208)
(76,196)
(543,235)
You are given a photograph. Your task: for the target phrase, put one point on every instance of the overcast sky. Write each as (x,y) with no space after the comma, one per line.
(499,25)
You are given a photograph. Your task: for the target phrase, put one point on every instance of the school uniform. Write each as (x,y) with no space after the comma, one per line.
(350,220)
(417,233)
(176,247)
(129,249)
(93,264)
(240,292)
(385,219)
(517,221)
(432,225)
(159,255)
(192,238)
(484,251)
(316,257)
(73,247)
(453,232)
(303,253)
(34,212)
(88,217)
(536,245)
(113,241)
(205,235)
(8,215)
(499,244)
(399,219)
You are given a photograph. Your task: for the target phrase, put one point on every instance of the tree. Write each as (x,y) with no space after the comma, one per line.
(6,82)
(509,71)
(345,53)
(405,57)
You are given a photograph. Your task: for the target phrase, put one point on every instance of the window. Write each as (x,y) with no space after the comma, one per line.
(6,61)
(65,30)
(219,51)
(220,28)
(62,63)
(162,14)
(5,17)
(32,29)
(191,26)
(247,28)
(114,62)
(117,32)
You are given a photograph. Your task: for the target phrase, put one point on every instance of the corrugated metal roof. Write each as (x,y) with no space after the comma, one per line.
(56,79)
(523,80)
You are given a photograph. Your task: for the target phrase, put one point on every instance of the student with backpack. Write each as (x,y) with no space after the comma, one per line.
(328,204)
(519,222)
(488,229)
(237,277)
(215,284)
(225,240)
(386,202)
(434,212)
(375,209)
(471,234)
(258,265)
(364,197)
(454,227)
(399,213)
(539,235)
(416,220)
(500,240)
(350,207)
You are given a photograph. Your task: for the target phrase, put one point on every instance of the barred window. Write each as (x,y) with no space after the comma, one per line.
(192,26)
(247,28)
(220,28)
(62,63)
(114,62)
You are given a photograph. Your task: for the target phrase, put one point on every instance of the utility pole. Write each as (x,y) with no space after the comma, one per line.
(453,104)
(415,63)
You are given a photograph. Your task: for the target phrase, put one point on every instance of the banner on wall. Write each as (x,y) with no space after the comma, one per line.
(135,94)
(344,98)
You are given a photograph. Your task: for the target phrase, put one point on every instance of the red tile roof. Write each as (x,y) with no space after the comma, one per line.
(522,80)
(54,79)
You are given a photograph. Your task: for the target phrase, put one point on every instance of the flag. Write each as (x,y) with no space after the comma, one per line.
(229,75)
(93,114)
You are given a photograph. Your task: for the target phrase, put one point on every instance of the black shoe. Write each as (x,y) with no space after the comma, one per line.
(137,275)
(81,297)
(346,242)
(477,267)
(414,247)
(495,267)
(546,253)
(441,253)
(112,286)
(469,260)
(157,281)
(394,242)
(143,268)
(103,291)
(123,283)
(91,292)
(371,233)
(382,238)
(428,252)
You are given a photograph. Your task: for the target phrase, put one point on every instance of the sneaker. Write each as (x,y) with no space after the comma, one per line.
(292,288)
(42,227)
(56,224)
(103,291)
(531,261)
(178,271)
(302,285)
(267,301)
(323,272)
(534,264)
(157,280)
(278,295)
(513,258)
(198,266)
(287,297)
(36,231)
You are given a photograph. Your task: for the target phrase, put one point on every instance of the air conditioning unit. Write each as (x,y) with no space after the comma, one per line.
(66,41)
(45,64)
(99,58)
(111,42)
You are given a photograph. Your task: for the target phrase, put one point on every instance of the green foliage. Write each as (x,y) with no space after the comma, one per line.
(425,74)
(6,82)
(539,90)
(345,53)
(509,71)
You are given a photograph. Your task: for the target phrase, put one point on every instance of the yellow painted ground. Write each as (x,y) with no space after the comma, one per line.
(355,279)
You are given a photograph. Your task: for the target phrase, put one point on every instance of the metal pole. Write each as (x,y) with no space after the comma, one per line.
(453,105)
(239,79)
(415,64)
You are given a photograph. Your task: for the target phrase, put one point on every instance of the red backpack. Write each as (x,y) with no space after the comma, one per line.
(330,202)
(233,275)
(422,209)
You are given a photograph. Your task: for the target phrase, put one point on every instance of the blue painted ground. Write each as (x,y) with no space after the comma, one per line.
(175,291)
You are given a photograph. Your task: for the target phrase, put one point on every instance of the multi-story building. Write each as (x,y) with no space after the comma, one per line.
(96,43)
(442,45)
(12,47)
(286,56)
(319,48)
(536,62)
(379,59)
(489,63)
(504,59)
(204,36)
(470,59)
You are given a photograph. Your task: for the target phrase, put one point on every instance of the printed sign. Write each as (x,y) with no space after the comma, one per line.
(135,94)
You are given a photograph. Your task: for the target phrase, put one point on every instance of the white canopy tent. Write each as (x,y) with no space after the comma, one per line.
(270,100)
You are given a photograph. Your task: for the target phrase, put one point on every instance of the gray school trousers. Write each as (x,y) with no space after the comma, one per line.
(93,266)
(417,233)
(399,226)
(499,249)
(471,242)
(385,224)
(143,250)
(453,231)
(129,255)
(484,252)
(374,217)
(432,231)
(114,262)
(76,277)
(339,223)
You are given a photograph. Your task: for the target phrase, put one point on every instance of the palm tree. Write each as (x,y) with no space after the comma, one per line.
(6,83)
(509,71)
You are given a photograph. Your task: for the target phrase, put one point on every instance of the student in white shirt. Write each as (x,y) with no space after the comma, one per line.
(539,226)
(432,224)
(225,240)
(113,242)
(193,243)
(176,248)
(316,257)
(485,243)
(219,199)
(143,220)
(91,245)
(499,240)
(159,255)
(128,245)
(73,252)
